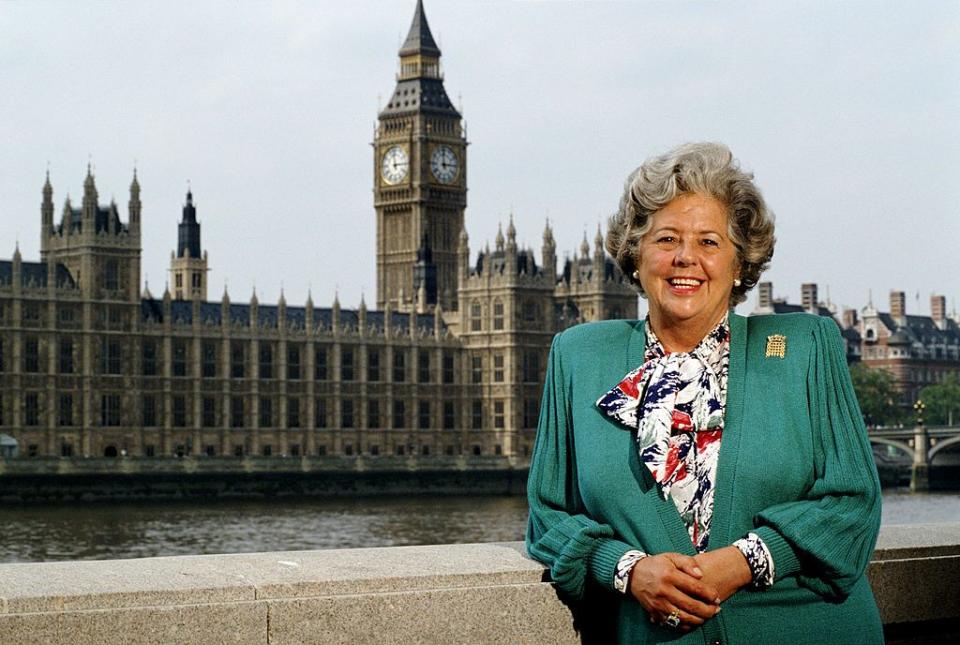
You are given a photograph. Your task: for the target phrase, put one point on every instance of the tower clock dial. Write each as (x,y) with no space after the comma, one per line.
(444,164)
(395,165)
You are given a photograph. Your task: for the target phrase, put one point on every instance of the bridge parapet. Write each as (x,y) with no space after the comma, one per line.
(471,593)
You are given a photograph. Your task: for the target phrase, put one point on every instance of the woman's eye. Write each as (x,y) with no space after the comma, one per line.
(665,239)
(709,242)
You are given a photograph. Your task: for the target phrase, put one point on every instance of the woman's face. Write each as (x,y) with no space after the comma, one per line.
(687,264)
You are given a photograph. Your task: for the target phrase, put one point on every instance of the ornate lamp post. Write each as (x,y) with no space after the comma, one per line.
(920,471)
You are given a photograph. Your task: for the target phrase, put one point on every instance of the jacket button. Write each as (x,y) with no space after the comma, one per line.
(717,642)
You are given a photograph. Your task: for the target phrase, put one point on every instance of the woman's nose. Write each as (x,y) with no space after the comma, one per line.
(685,255)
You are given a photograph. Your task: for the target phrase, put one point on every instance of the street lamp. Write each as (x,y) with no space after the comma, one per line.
(918,407)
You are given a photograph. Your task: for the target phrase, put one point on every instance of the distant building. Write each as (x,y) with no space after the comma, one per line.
(451,362)
(917,350)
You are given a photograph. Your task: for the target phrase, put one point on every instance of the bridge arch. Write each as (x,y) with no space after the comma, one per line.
(901,445)
(946,443)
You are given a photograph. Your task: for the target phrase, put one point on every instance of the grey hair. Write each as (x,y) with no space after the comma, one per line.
(705,169)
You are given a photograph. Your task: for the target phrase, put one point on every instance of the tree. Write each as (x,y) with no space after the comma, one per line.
(877,395)
(942,402)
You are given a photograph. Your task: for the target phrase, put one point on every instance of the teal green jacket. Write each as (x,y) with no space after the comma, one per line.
(795,467)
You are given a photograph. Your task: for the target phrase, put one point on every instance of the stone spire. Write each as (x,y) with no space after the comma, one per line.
(46,210)
(188,233)
(549,252)
(584,247)
(89,198)
(134,206)
(499,238)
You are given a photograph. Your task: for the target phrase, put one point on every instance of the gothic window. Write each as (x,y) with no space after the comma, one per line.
(449,416)
(66,355)
(209,366)
(209,412)
(399,366)
(31,312)
(65,413)
(373,365)
(497,314)
(346,364)
(476,415)
(267,450)
(498,414)
(293,412)
(531,413)
(498,368)
(179,411)
(373,413)
(424,415)
(236,412)
(266,360)
(346,413)
(31,405)
(320,413)
(293,362)
(110,410)
(266,412)
(530,312)
(110,356)
(476,311)
(476,369)
(111,276)
(196,280)
(149,358)
(531,366)
(66,449)
(31,355)
(448,373)
(294,449)
(423,366)
(149,411)
(320,364)
(237,360)
(179,358)
(399,412)
(179,281)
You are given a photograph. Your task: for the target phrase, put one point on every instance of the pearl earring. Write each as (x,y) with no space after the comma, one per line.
(636,275)
(736,282)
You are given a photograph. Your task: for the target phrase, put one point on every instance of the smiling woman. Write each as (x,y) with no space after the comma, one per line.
(777,525)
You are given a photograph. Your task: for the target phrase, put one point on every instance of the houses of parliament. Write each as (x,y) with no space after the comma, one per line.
(449,362)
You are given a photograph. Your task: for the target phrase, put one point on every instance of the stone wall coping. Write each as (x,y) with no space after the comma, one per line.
(178,580)
(444,593)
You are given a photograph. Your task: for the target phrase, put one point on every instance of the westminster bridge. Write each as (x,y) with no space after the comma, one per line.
(925,447)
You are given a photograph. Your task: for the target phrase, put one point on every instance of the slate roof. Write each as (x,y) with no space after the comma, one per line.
(211,313)
(419,39)
(35,275)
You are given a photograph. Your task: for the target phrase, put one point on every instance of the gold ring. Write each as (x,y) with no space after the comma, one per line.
(673,620)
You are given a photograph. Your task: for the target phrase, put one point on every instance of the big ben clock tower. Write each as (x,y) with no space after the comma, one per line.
(420,181)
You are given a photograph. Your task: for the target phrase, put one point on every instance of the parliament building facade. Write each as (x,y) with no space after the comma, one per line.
(449,362)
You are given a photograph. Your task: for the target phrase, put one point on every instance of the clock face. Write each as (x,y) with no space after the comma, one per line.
(444,164)
(395,165)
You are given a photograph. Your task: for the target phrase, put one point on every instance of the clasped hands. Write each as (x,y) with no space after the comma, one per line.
(692,586)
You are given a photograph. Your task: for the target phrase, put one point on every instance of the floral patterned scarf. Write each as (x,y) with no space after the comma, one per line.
(675,402)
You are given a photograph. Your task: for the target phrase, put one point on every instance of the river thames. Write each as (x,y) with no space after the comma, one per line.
(102,531)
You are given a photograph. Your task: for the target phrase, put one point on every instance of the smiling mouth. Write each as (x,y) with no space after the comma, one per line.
(685,283)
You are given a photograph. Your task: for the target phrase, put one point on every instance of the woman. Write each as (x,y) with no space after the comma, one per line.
(700,460)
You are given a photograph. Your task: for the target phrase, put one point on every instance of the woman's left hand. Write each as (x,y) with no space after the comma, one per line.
(725,569)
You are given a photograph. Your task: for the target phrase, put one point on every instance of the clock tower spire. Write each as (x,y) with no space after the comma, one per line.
(420,187)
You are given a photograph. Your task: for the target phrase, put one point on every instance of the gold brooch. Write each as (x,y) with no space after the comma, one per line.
(776,346)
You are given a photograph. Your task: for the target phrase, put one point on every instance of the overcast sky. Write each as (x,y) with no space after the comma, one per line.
(847,112)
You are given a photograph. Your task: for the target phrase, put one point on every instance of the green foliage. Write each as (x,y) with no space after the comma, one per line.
(877,395)
(942,402)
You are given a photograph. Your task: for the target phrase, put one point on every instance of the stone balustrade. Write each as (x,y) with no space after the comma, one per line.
(466,593)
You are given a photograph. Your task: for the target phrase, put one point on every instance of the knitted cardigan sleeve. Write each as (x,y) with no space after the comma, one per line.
(559,533)
(826,538)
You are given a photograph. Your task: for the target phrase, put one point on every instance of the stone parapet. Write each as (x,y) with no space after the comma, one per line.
(468,593)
